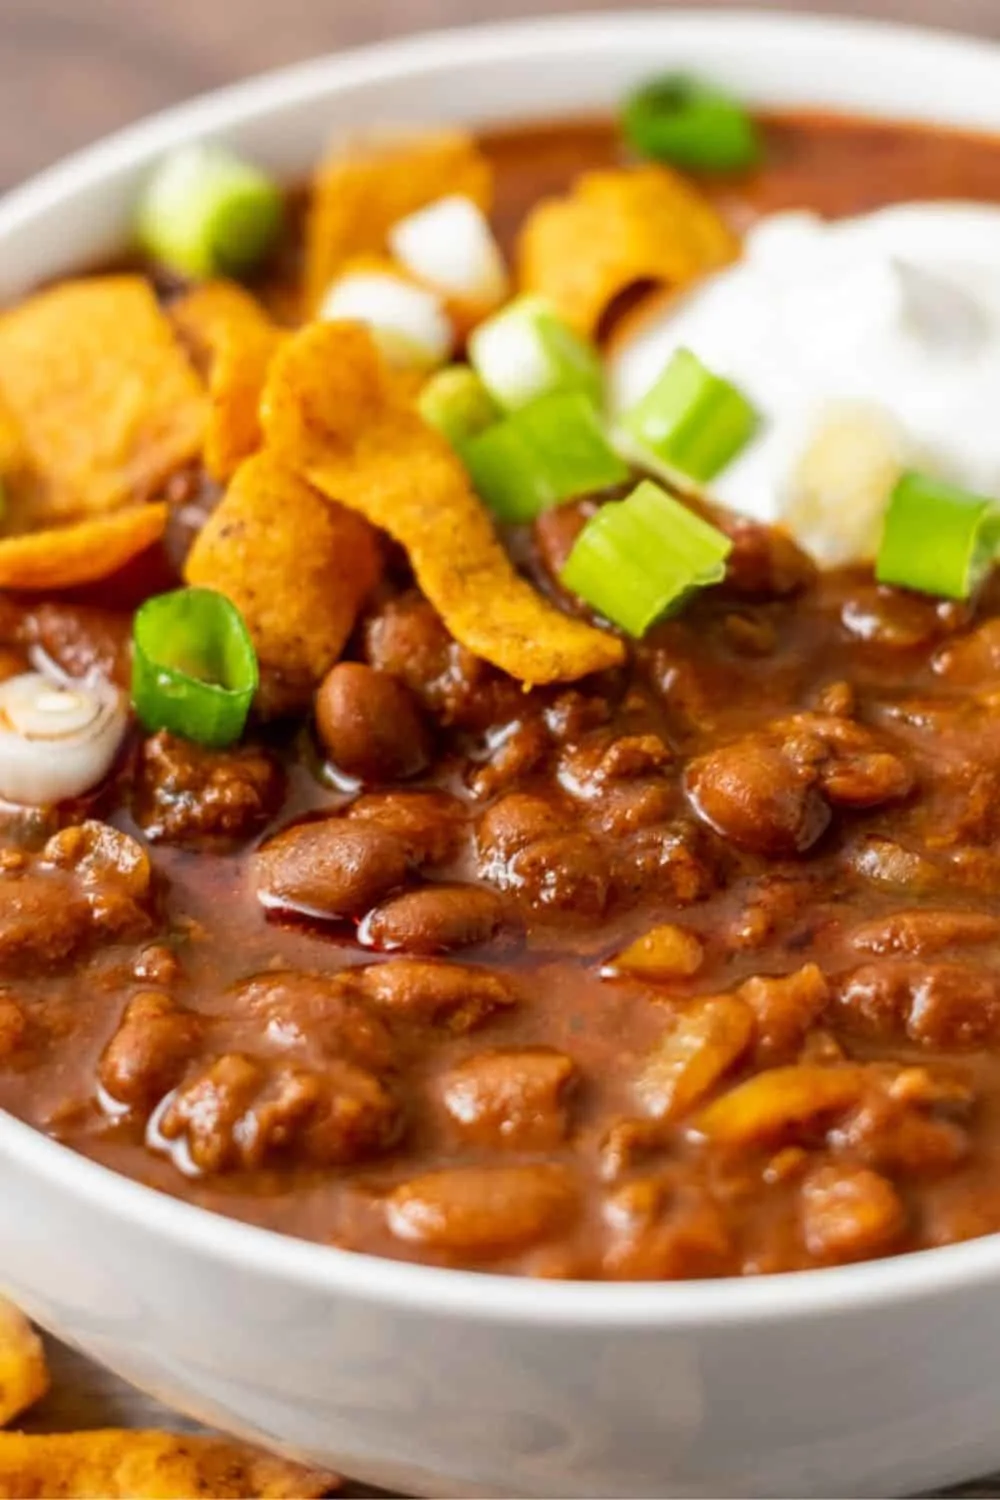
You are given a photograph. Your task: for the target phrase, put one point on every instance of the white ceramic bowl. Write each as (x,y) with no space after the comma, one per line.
(870,1380)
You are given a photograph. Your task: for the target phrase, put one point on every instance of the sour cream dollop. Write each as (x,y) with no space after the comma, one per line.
(869,345)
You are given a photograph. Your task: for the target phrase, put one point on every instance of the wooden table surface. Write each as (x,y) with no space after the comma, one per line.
(71,70)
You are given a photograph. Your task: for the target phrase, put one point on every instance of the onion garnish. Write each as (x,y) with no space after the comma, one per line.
(57,740)
(408,322)
(449,245)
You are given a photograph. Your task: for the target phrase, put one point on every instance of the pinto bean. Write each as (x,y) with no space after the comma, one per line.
(751,793)
(329,868)
(369,724)
(430,825)
(408,639)
(155,1041)
(511,1097)
(457,997)
(483,1211)
(436,918)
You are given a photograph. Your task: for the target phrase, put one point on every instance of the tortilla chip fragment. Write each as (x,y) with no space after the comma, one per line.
(65,556)
(617,229)
(106,402)
(359,195)
(107,1464)
(234,341)
(297,568)
(24,1376)
(331,412)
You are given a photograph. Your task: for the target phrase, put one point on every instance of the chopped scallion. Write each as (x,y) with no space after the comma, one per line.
(937,538)
(641,558)
(690,124)
(456,402)
(506,473)
(527,351)
(542,454)
(207,212)
(194,668)
(692,421)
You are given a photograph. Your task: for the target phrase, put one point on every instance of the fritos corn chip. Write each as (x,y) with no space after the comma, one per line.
(24,1376)
(108,1464)
(359,196)
(235,340)
(297,568)
(615,229)
(64,556)
(22,489)
(330,412)
(105,400)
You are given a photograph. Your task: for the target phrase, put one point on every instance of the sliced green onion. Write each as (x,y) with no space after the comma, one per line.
(506,473)
(527,351)
(206,212)
(541,455)
(194,668)
(690,124)
(937,538)
(692,421)
(641,558)
(456,402)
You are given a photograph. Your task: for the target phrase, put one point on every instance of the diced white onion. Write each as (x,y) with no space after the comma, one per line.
(408,322)
(56,740)
(450,245)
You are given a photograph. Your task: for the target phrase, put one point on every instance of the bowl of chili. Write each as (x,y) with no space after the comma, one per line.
(426,1081)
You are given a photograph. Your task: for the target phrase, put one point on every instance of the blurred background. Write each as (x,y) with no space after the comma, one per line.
(71,70)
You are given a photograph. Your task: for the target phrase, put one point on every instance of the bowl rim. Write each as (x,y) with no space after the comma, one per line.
(484,1296)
